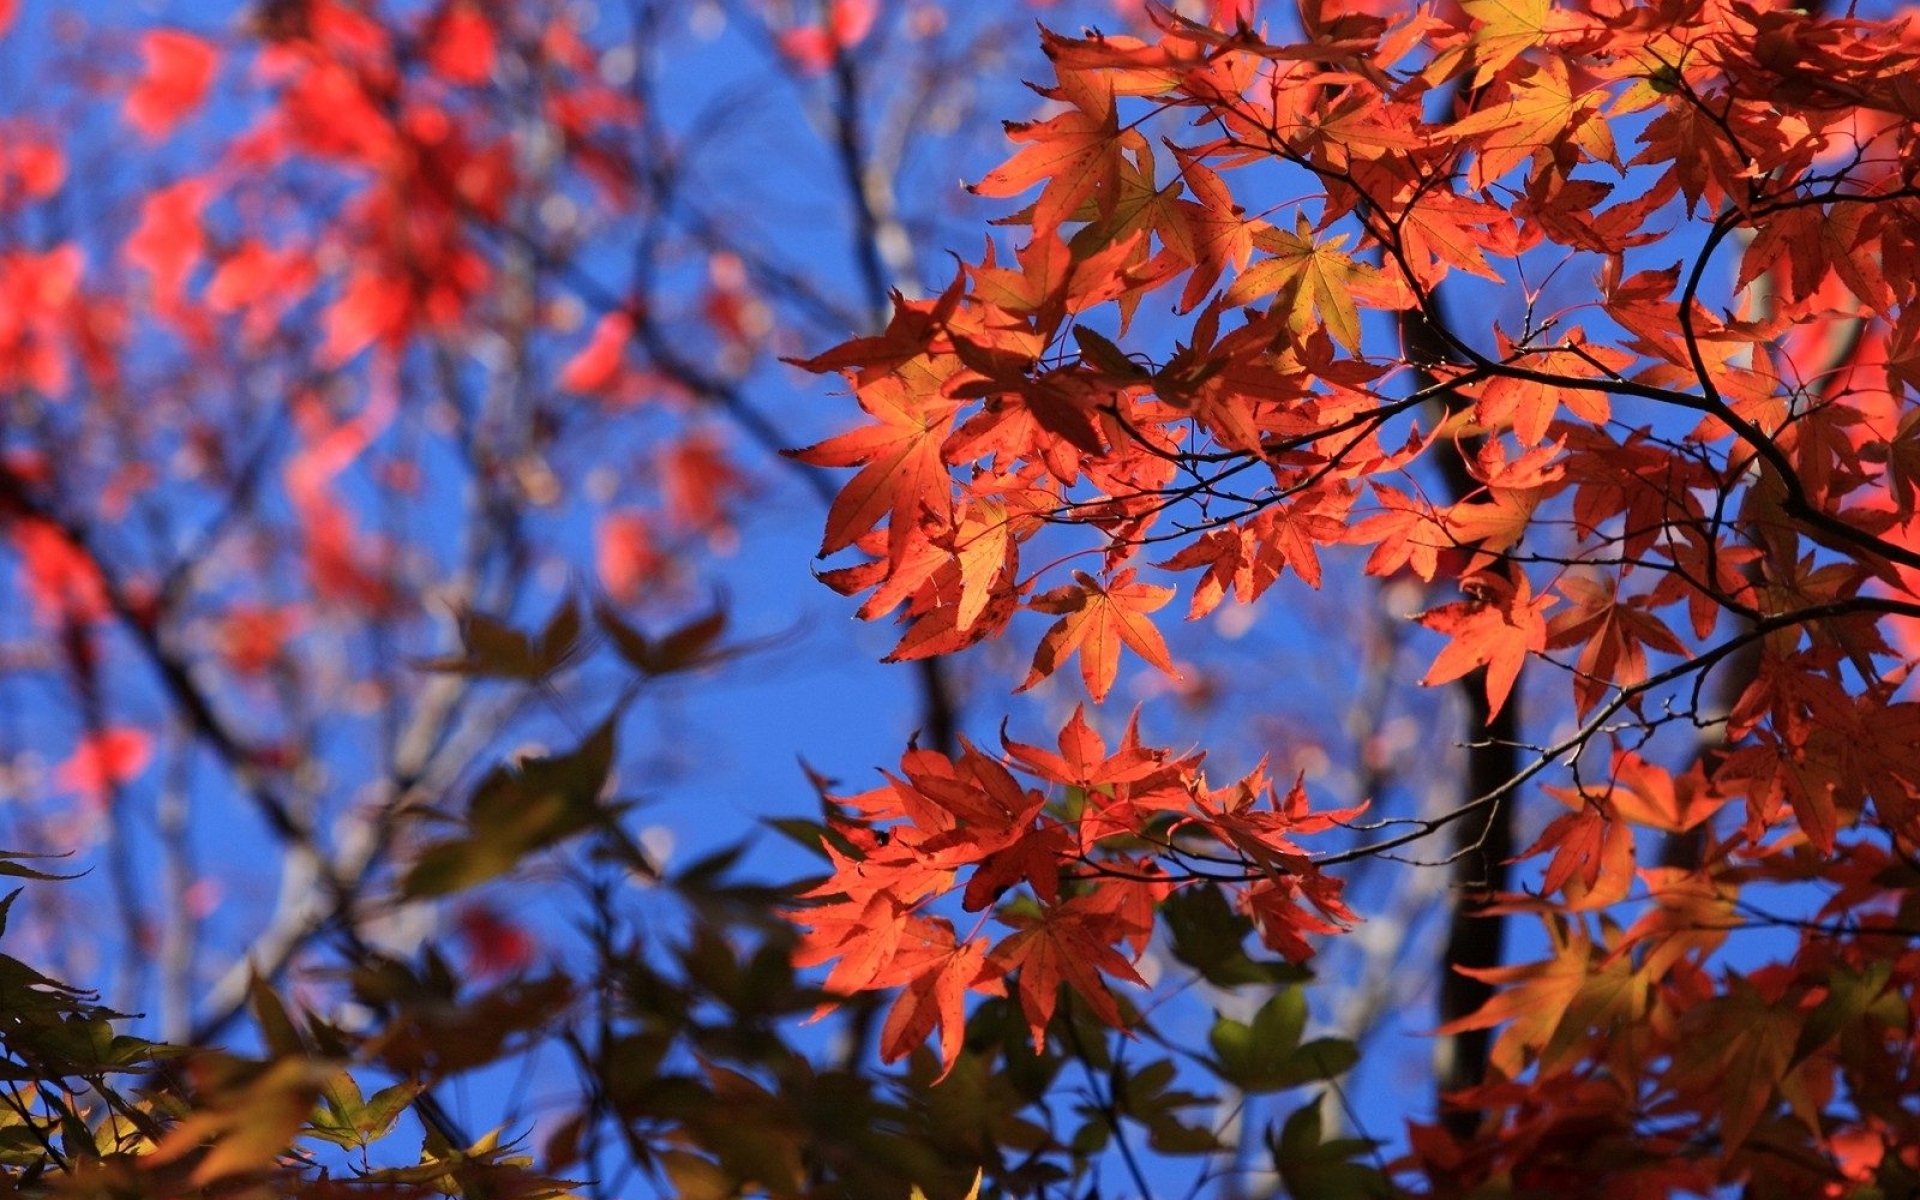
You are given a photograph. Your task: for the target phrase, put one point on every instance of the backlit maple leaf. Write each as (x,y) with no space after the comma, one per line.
(1068,943)
(1076,155)
(1536,117)
(934,1000)
(1496,627)
(1613,633)
(1096,621)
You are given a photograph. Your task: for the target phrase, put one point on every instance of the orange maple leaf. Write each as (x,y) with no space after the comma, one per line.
(934,999)
(1552,1003)
(1506,30)
(1592,848)
(1648,794)
(901,470)
(1496,627)
(1075,155)
(1071,943)
(1613,634)
(1097,621)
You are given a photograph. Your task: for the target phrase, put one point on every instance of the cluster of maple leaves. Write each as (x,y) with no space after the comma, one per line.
(1689,475)
(1671,480)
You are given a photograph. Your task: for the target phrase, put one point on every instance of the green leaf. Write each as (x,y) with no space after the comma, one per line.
(810,836)
(1261,1056)
(1144,1096)
(492,649)
(518,810)
(684,648)
(1319,1060)
(1849,996)
(1309,1166)
(1098,350)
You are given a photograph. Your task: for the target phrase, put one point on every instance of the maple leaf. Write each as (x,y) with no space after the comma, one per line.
(168,242)
(1075,155)
(1613,634)
(1505,30)
(38,168)
(1405,534)
(1530,404)
(1137,67)
(934,1000)
(1210,234)
(1537,115)
(1444,229)
(1591,847)
(1068,943)
(37,295)
(1496,526)
(1648,794)
(596,365)
(178,70)
(1117,788)
(628,558)
(1551,1004)
(1738,1046)
(1083,761)
(1309,278)
(1273,902)
(1534,996)
(460,45)
(373,306)
(253,639)
(1096,621)
(1696,156)
(63,582)
(495,945)
(1496,627)
(1690,915)
(260,282)
(901,470)
(864,933)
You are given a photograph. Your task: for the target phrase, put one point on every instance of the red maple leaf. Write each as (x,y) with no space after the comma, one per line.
(1071,943)
(1095,621)
(1496,627)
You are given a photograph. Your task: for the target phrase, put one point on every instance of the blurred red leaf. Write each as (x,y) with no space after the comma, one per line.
(461,48)
(104,760)
(495,946)
(178,70)
(597,365)
(36,168)
(169,242)
(627,556)
(62,581)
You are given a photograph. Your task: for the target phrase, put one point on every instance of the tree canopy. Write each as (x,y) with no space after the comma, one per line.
(1408,526)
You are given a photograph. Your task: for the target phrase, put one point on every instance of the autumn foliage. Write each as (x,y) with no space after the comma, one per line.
(391,390)
(1682,448)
